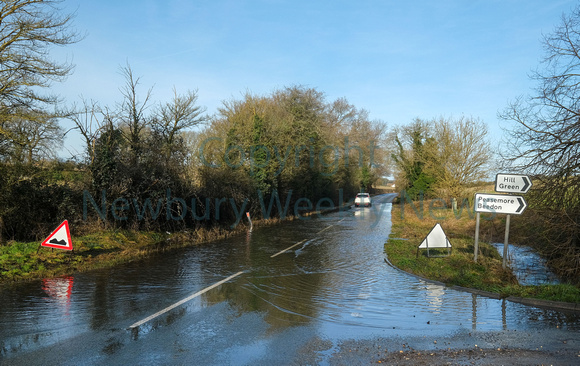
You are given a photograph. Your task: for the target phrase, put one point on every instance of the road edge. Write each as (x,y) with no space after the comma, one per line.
(538,303)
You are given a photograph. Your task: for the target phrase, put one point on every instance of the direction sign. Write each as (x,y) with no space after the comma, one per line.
(512,183)
(500,203)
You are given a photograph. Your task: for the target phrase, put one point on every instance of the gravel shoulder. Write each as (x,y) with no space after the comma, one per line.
(482,356)
(506,347)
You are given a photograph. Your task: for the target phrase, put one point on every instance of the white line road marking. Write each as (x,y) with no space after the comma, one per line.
(191,297)
(184,300)
(295,245)
(287,249)
(326,228)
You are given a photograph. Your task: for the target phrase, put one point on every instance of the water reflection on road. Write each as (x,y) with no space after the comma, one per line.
(333,284)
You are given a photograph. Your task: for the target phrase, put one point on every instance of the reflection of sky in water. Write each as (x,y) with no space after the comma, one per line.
(527,265)
(438,311)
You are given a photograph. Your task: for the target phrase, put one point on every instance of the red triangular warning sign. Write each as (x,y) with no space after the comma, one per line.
(60,238)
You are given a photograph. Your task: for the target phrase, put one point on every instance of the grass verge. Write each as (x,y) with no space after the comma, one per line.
(411,226)
(101,249)
(23,261)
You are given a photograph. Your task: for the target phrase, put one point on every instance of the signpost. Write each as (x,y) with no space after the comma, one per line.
(502,204)
(512,183)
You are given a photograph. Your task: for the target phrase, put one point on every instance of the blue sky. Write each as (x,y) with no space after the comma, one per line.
(399,60)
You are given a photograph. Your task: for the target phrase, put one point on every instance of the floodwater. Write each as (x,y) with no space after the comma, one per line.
(528,266)
(297,306)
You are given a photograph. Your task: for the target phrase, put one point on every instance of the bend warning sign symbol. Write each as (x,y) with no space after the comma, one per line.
(60,238)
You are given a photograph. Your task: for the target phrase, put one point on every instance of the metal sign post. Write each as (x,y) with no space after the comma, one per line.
(505,241)
(476,246)
(502,204)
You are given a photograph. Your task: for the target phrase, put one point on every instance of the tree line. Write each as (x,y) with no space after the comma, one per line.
(151,165)
(168,165)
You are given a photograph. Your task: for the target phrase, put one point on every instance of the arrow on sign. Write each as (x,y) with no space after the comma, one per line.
(527,185)
(522,205)
(512,183)
(500,203)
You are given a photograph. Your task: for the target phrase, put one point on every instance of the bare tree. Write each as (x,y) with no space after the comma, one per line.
(179,114)
(132,111)
(441,156)
(28,29)
(87,122)
(545,141)
(545,134)
(462,156)
(341,114)
(34,139)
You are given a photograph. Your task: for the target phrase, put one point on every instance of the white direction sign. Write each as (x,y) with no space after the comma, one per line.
(499,203)
(512,183)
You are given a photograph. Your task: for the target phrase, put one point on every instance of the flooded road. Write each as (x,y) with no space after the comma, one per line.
(298,293)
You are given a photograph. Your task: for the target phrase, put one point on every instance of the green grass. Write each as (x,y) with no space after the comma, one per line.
(561,292)
(21,261)
(25,261)
(99,249)
(459,268)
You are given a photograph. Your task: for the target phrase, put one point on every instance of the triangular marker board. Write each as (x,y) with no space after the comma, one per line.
(60,238)
(435,239)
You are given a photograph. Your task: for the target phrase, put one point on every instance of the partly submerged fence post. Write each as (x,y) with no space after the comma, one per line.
(250,220)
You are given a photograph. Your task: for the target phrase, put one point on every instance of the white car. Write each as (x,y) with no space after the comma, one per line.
(363,199)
